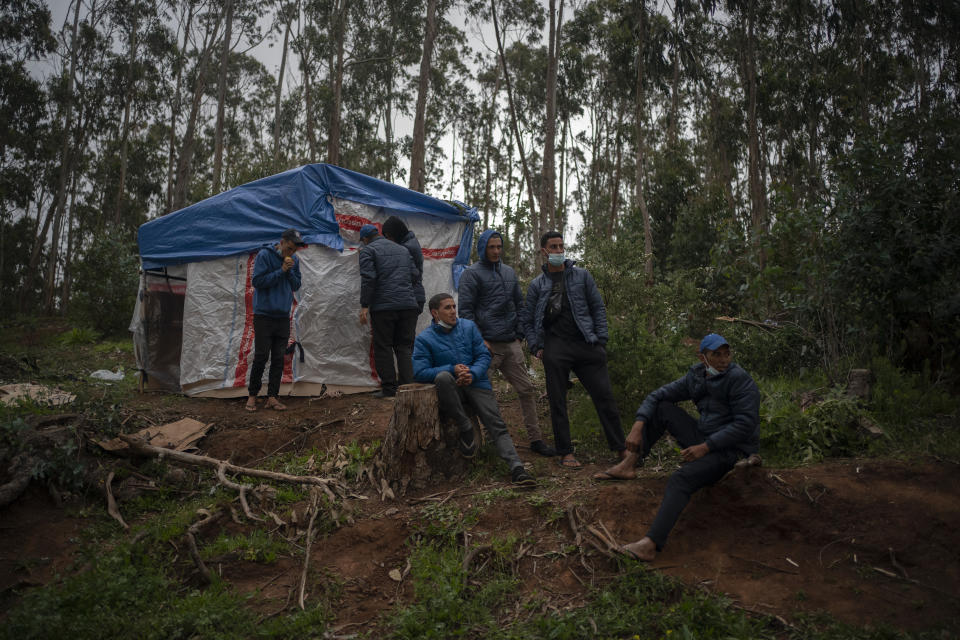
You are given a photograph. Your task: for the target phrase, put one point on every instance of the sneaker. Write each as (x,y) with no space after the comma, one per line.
(467,444)
(541,447)
(521,478)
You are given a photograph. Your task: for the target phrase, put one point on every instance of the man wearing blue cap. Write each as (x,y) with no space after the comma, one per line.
(728,429)
(276,275)
(387,293)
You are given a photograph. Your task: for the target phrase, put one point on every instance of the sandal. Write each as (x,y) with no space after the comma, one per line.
(570,463)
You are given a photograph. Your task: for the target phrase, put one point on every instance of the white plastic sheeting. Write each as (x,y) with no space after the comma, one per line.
(217,350)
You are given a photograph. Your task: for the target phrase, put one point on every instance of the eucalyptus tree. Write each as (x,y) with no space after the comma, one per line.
(25,36)
(417,150)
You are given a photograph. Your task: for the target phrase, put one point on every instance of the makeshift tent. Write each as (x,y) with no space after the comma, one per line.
(193,323)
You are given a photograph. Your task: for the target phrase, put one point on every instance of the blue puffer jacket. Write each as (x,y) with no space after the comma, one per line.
(387,277)
(416,254)
(490,295)
(436,350)
(729,406)
(273,288)
(585,303)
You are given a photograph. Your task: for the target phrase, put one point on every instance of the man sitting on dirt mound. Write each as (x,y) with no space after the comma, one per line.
(729,428)
(450,353)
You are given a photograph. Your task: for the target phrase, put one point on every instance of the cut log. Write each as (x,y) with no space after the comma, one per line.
(858,383)
(419,449)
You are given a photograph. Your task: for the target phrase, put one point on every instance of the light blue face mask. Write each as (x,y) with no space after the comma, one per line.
(555,259)
(712,371)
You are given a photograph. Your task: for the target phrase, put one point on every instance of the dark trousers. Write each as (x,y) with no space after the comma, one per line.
(589,362)
(393,334)
(270,336)
(692,476)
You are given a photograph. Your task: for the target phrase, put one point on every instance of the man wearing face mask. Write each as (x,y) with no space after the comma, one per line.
(728,401)
(566,326)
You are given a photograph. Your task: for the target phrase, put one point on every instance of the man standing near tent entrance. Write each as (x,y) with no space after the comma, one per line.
(566,325)
(490,296)
(387,282)
(276,275)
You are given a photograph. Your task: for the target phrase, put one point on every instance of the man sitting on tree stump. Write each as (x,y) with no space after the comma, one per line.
(450,353)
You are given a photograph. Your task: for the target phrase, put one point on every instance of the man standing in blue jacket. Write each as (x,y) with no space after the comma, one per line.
(728,401)
(276,275)
(566,325)
(450,353)
(387,282)
(490,296)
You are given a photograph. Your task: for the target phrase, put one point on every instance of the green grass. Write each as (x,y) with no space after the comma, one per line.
(255,546)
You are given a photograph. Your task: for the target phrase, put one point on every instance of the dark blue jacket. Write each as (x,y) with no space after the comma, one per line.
(729,406)
(387,277)
(585,304)
(490,295)
(273,288)
(436,350)
(416,254)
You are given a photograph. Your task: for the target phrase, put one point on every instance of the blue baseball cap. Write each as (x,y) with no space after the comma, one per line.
(367,230)
(712,342)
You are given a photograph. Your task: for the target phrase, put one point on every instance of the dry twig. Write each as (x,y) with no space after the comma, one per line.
(112,504)
(314,508)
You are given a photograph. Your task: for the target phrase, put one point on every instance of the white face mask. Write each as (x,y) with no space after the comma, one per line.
(555,259)
(712,371)
(445,325)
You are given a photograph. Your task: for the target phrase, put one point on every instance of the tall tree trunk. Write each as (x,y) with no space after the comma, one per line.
(66,281)
(336,79)
(418,152)
(222,99)
(125,127)
(615,190)
(756,183)
(186,150)
(548,212)
(514,125)
(278,94)
(639,107)
(490,119)
(175,110)
(59,199)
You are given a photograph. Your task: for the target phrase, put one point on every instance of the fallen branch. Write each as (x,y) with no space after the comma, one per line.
(314,508)
(765,566)
(139,446)
(299,436)
(112,504)
(241,488)
(192,542)
(21,468)
(473,553)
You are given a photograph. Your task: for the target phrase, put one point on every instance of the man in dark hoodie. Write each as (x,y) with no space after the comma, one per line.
(395,230)
(566,325)
(728,429)
(276,275)
(490,296)
(387,280)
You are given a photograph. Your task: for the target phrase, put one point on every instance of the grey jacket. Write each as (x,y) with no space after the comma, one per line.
(585,303)
(729,406)
(490,296)
(387,277)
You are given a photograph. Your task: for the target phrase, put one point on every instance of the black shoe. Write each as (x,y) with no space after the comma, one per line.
(541,447)
(521,478)
(384,394)
(467,444)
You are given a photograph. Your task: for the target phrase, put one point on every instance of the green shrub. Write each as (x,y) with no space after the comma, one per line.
(105,284)
(78,336)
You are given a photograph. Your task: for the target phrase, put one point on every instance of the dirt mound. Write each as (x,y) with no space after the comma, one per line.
(870,541)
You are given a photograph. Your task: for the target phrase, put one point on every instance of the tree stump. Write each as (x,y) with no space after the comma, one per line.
(858,383)
(419,450)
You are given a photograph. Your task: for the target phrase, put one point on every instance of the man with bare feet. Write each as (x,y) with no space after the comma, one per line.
(729,428)
(566,325)
(276,275)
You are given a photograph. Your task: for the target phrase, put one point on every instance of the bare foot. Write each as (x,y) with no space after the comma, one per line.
(623,470)
(276,405)
(251,403)
(644,550)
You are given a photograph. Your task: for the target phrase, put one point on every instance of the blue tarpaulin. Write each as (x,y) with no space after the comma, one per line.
(246,217)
